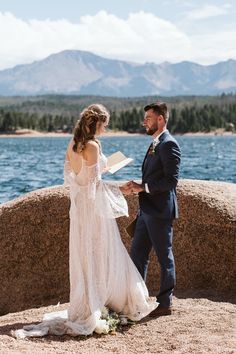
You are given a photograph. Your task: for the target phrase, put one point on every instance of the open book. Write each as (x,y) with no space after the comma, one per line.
(117,161)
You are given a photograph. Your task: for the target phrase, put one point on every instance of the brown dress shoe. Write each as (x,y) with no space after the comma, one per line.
(160,311)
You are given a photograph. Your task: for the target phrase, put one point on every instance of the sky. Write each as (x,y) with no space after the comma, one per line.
(201,31)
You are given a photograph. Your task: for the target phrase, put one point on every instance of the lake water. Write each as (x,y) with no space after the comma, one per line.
(27,164)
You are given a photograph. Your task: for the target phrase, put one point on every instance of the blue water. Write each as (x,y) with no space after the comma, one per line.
(27,164)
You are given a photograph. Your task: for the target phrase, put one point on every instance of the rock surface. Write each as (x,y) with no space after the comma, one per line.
(34,232)
(197,326)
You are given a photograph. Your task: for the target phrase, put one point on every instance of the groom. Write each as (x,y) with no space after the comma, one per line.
(158,204)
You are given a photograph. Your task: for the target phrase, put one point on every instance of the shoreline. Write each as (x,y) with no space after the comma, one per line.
(25,133)
(37,134)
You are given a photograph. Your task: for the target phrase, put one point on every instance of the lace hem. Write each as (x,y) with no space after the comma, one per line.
(57,323)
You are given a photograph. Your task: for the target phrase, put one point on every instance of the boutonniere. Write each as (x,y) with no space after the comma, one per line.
(152,147)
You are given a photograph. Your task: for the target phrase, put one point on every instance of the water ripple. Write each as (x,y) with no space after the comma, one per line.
(27,164)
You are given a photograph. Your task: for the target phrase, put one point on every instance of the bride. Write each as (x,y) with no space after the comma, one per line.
(101,271)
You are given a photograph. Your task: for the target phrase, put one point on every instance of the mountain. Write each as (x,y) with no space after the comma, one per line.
(79,72)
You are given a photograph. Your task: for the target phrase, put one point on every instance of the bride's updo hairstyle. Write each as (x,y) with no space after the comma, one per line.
(86,126)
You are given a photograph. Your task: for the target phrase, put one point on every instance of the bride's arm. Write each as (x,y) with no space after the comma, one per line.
(67,169)
(67,164)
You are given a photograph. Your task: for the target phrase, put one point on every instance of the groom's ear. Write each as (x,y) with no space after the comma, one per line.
(161,119)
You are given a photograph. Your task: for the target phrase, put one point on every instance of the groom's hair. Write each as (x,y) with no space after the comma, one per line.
(159,108)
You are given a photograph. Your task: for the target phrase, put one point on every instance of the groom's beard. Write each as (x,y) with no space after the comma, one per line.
(152,130)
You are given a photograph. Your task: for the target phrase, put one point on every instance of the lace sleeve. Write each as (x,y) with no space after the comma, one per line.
(93,180)
(110,201)
(105,197)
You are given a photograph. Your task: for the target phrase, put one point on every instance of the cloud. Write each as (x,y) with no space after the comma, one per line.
(208,11)
(141,37)
(186,3)
(209,48)
(26,41)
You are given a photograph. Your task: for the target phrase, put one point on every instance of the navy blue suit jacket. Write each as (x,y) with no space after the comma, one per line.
(160,171)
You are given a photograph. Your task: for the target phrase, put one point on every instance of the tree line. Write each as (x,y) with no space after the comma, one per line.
(192,114)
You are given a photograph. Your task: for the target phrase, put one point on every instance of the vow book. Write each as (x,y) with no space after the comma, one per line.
(117,161)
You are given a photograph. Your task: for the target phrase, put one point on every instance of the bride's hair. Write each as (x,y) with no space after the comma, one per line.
(86,126)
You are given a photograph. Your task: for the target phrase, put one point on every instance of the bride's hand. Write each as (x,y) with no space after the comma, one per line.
(126,188)
(106,169)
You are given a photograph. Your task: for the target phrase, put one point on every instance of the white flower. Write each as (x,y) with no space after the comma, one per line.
(102,327)
(155,143)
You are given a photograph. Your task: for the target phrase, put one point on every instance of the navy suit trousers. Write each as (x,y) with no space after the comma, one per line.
(154,232)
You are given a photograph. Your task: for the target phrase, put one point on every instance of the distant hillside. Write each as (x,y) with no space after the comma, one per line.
(59,113)
(74,72)
(69,105)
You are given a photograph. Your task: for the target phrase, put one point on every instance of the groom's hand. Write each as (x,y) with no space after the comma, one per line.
(136,187)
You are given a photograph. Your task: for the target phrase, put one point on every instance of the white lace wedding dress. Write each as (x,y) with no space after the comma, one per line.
(101,271)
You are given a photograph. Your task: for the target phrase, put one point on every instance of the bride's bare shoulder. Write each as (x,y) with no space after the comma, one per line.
(91,151)
(92,146)
(92,143)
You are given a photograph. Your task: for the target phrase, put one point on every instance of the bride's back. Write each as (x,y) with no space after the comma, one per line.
(75,158)
(86,158)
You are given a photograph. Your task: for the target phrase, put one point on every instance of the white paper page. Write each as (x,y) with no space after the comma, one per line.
(117,161)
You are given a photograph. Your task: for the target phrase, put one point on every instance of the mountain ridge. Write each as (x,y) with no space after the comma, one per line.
(81,73)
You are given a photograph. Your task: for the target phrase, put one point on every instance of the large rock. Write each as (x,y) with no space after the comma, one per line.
(34,233)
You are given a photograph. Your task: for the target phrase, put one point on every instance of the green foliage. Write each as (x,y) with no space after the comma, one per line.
(59,113)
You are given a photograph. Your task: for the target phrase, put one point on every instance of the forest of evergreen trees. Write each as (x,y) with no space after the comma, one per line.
(59,113)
